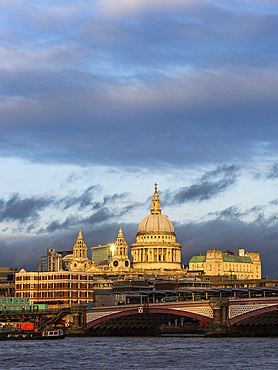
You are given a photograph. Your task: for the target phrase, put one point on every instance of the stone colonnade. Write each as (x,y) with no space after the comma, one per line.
(156,254)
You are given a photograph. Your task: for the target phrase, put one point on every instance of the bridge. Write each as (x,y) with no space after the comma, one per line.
(43,318)
(216,316)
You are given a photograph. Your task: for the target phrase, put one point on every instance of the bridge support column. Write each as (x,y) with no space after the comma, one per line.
(79,317)
(220,325)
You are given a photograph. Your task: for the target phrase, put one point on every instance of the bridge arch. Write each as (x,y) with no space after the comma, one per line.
(251,314)
(148,310)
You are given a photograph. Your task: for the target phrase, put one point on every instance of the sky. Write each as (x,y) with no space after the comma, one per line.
(101,99)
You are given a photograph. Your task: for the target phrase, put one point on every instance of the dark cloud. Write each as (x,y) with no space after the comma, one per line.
(197,238)
(22,210)
(127,209)
(69,223)
(208,186)
(25,211)
(109,199)
(83,200)
(99,216)
(231,213)
(273,172)
(103,212)
(25,252)
(185,84)
(106,83)
(235,213)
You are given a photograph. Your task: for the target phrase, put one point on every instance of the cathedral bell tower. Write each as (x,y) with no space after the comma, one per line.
(79,261)
(120,260)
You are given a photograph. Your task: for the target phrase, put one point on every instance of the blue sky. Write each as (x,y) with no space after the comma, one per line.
(101,99)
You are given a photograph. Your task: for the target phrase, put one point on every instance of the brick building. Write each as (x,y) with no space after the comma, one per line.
(62,286)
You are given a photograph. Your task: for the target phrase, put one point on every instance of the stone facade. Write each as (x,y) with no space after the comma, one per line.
(120,261)
(242,266)
(156,247)
(79,260)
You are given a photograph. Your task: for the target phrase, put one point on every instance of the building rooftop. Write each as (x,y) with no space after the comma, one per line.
(238,259)
(198,259)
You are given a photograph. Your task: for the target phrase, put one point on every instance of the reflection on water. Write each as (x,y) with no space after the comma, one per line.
(167,352)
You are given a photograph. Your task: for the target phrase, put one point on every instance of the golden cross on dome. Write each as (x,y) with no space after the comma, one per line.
(155,201)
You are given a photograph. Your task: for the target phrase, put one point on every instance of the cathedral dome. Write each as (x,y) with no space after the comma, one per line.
(155,224)
(156,247)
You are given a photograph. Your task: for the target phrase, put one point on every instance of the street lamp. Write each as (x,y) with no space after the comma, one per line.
(231,283)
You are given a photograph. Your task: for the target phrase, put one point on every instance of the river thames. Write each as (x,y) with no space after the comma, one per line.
(168,352)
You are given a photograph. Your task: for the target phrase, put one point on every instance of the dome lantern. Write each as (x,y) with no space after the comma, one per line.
(155,202)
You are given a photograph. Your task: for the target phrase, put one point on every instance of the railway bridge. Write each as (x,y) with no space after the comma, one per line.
(216,316)
(42,318)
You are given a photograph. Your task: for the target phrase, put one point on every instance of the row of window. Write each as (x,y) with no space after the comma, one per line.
(64,286)
(55,286)
(56,294)
(235,267)
(157,236)
(12,301)
(54,277)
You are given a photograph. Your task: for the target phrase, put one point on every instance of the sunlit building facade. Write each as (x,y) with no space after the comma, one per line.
(242,265)
(62,287)
(156,247)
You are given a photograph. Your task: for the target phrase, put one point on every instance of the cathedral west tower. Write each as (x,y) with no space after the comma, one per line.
(156,246)
(79,261)
(120,260)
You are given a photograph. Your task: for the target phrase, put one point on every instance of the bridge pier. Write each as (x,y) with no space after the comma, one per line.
(220,325)
(79,318)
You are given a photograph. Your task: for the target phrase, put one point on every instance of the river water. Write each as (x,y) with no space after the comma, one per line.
(169,352)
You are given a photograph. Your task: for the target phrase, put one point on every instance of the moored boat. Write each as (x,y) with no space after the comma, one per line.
(53,334)
(32,335)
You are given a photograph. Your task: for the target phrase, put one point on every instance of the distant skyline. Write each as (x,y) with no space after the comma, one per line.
(99,100)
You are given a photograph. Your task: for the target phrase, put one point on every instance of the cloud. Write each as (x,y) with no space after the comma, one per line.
(131,7)
(197,238)
(109,199)
(202,73)
(150,87)
(70,222)
(231,213)
(236,213)
(101,215)
(83,200)
(273,172)
(22,210)
(208,186)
